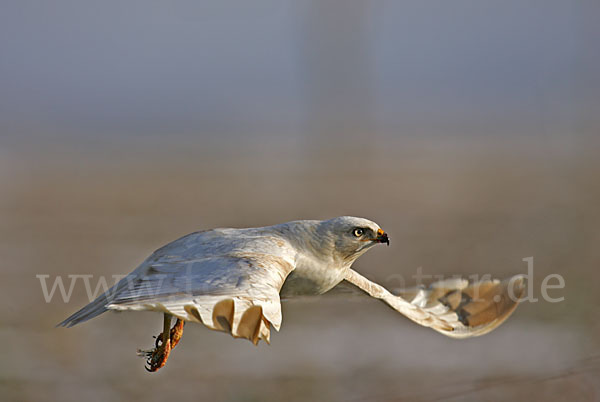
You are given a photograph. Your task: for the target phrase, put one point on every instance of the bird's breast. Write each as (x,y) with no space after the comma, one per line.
(312,278)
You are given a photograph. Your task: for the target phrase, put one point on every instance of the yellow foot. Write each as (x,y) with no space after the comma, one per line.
(157,357)
(165,342)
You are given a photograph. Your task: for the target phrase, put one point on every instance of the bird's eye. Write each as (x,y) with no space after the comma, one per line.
(358,232)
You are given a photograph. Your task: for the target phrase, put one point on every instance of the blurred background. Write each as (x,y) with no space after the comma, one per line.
(468,130)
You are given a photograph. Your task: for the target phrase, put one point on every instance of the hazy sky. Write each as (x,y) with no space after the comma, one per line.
(77,69)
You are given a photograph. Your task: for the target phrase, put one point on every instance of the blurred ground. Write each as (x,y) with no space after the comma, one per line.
(467,130)
(451,207)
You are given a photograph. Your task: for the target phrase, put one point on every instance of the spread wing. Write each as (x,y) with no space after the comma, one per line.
(226,279)
(456,307)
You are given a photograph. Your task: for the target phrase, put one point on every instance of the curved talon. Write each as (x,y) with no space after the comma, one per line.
(157,357)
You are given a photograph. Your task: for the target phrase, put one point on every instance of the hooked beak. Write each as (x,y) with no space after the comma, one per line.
(382,237)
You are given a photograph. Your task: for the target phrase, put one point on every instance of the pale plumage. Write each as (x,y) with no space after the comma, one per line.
(231,279)
(456,308)
(190,276)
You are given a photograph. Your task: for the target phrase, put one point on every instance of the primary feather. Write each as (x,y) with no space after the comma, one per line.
(456,307)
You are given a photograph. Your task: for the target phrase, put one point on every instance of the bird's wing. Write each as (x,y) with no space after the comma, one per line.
(456,307)
(228,282)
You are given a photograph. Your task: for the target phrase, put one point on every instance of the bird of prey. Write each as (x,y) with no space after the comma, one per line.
(231,280)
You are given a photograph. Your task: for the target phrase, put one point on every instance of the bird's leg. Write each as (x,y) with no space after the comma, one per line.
(157,357)
(176,332)
(165,342)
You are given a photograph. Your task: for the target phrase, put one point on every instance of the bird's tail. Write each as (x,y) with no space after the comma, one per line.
(90,311)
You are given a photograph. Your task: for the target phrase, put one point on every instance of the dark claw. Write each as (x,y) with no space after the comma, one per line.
(157,357)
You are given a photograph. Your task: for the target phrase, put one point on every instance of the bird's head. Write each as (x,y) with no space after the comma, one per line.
(351,237)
